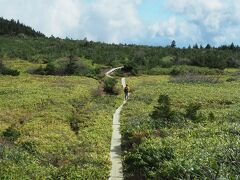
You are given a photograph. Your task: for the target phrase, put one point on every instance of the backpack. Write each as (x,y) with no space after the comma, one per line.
(126,89)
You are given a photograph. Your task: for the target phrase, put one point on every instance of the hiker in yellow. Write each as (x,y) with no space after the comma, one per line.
(126,91)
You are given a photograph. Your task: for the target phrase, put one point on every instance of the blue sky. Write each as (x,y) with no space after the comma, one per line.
(150,22)
(153,10)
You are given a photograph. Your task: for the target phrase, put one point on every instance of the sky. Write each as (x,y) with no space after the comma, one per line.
(148,22)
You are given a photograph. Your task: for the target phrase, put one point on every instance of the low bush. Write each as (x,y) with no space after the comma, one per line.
(181,70)
(231,79)
(163,115)
(99,91)
(50,69)
(11,134)
(74,124)
(159,71)
(148,158)
(30,147)
(193,78)
(110,86)
(67,66)
(7,71)
(231,158)
(211,116)
(135,130)
(192,111)
(234,116)
(130,67)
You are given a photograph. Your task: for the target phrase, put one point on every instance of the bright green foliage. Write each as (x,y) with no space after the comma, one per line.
(147,159)
(37,140)
(206,148)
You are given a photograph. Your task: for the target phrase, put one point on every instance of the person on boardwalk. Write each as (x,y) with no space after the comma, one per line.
(126,91)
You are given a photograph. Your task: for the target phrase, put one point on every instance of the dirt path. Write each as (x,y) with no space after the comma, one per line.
(115,152)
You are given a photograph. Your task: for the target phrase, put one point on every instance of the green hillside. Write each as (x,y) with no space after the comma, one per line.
(142,59)
(14,28)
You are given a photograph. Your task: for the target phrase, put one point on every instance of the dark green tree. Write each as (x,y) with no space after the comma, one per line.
(71,66)
(162,113)
(195,46)
(208,46)
(173,44)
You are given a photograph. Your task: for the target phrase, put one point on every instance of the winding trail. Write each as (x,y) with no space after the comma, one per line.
(111,71)
(115,151)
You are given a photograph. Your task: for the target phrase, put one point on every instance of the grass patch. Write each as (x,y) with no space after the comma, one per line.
(39,138)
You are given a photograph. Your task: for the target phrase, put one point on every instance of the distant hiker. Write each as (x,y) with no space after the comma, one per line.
(126,91)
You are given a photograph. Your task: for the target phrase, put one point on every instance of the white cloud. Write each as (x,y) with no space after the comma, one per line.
(56,17)
(101,20)
(63,17)
(202,21)
(113,21)
(173,29)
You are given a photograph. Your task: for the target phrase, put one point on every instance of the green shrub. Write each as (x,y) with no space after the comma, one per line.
(135,130)
(10,72)
(163,110)
(166,62)
(234,116)
(211,116)
(50,69)
(110,85)
(230,159)
(192,111)
(162,114)
(11,134)
(7,71)
(144,161)
(71,66)
(74,124)
(159,71)
(130,67)
(231,79)
(175,72)
(67,66)
(30,147)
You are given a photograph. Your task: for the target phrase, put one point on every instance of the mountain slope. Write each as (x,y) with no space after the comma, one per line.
(13,28)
